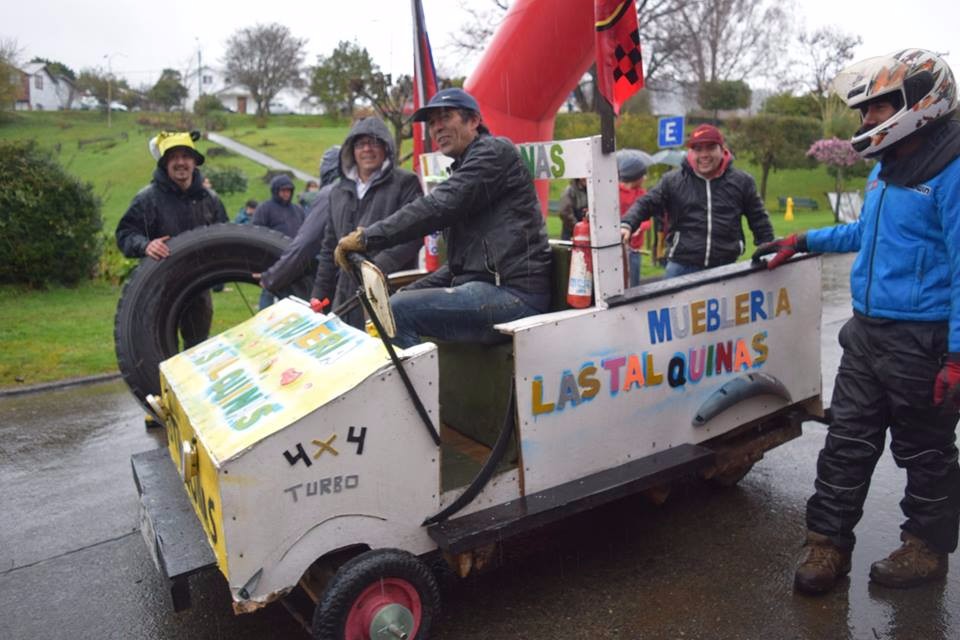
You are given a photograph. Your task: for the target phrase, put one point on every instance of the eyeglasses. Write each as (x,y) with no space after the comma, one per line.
(373,143)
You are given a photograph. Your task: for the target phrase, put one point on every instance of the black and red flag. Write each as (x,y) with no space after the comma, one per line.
(619,60)
(424,80)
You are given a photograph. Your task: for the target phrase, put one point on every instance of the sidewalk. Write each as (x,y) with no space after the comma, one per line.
(257,156)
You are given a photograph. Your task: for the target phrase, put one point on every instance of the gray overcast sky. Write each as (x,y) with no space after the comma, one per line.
(143,38)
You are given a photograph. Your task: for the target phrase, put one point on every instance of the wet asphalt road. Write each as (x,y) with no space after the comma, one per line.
(708,563)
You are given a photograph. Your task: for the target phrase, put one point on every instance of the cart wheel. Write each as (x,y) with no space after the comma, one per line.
(381,594)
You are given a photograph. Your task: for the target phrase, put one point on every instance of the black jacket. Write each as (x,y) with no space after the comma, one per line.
(491,218)
(388,191)
(285,217)
(306,244)
(703,216)
(163,209)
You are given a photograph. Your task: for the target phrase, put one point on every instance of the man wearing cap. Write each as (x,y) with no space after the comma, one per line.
(703,200)
(174,201)
(372,187)
(498,259)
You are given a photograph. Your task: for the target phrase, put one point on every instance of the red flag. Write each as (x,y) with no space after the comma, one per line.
(619,61)
(424,80)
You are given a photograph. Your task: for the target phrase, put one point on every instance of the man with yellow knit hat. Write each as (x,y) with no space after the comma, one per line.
(174,201)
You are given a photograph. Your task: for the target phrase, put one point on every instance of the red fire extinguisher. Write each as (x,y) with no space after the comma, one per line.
(580,285)
(431,251)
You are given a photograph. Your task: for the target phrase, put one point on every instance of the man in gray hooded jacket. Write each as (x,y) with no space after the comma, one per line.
(371,187)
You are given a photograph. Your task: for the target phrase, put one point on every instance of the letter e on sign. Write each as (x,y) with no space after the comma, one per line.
(670,132)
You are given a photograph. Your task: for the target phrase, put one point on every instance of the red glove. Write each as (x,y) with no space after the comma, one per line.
(319,305)
(784,248)
(947,385)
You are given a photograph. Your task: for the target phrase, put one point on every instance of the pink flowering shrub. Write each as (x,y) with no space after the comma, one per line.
(837,154)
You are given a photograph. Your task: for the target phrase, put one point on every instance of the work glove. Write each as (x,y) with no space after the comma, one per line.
(353,242)
(319,305)
(946,387)
(784,248)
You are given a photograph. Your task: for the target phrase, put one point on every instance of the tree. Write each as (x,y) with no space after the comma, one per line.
(337,78)
(388,99)
(724,94)
(265,59)
(474,34)
(97,83)
(826,52)
(774,142)
(168,90)
(56,69)
(787,104)
(9,54)
(710,40)
(50,221)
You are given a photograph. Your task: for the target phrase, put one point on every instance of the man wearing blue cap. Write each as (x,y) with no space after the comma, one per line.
(498,258)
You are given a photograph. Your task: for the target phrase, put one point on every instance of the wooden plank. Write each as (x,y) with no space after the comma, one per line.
(170,526)
(539,509)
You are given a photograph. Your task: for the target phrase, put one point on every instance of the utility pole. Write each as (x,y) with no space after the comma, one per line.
(199,75)
(109,58)
(109,88)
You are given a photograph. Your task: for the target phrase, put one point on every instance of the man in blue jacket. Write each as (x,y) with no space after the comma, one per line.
(901,350)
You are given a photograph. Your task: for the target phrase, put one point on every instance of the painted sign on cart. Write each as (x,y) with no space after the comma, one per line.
(267,372)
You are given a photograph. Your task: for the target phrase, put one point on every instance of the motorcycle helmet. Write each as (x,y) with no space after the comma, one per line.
(917,82)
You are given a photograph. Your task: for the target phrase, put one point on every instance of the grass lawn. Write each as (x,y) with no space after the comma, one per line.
(68,332)
(65,333)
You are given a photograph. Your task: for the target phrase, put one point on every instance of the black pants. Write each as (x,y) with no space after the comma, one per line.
(195,320)
(886,380)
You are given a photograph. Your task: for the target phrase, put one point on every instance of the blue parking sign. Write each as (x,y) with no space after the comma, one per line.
(670,132)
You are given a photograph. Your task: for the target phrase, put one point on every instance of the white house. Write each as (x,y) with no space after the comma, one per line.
(40,90)
(237,98)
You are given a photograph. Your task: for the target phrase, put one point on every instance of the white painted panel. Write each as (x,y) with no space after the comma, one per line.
(310,488)
(580,413)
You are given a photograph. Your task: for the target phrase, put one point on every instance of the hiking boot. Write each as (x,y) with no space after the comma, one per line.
(912,564)
(821,565)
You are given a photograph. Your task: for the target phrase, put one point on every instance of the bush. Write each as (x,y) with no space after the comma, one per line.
(226,180)
(49,220)
(216,121)
(634,131)
(113,266)
(206,104)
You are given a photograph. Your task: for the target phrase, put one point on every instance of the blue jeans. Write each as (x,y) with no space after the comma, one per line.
(675,269)
(465,313)
(633,257)
(266,299)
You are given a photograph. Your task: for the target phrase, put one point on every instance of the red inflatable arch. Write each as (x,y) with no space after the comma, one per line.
(535,59)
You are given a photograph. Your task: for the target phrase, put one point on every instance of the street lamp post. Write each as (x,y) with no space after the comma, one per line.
(109,59)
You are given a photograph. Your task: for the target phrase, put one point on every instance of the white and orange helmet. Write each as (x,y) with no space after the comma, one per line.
(918,82)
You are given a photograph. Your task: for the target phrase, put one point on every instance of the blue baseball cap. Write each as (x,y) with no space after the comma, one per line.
(447,98)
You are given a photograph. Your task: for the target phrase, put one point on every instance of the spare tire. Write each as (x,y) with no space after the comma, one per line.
(145,327)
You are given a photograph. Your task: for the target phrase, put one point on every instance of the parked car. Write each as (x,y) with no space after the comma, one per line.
(279,109)
(118,106)
(85,103)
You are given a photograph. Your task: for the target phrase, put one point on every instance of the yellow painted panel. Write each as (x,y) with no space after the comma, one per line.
(266,373)
(203,489)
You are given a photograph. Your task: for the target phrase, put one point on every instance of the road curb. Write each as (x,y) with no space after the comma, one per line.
(58,384)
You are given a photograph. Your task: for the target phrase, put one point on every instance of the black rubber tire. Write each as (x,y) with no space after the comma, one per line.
(145,326)
(357,574)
